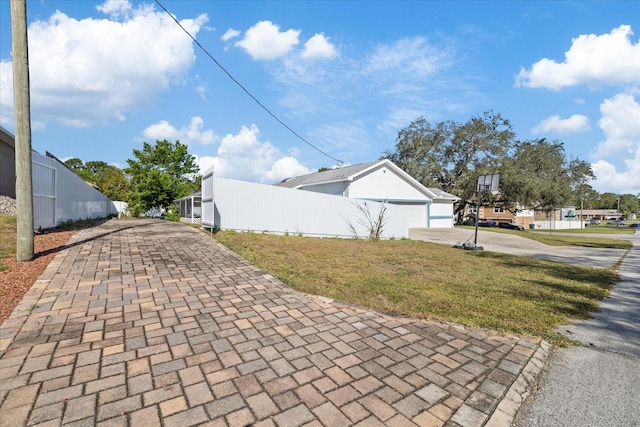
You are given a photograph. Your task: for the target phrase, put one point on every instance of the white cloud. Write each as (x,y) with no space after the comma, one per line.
(574,124)
(114,7)
(285,167)
(245,157)
(191,134)
(620,123)
(229,34)
(319,47)
(265,41)
(609,179)
(201,90)
(413,56)
(94,71)
(408,72)
(6,93)
(610,58)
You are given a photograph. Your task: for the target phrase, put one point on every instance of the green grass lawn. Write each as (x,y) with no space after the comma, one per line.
(421,279)
(577,237)
(595,229)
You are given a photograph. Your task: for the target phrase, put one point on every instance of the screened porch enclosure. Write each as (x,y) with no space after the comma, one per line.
(191,208)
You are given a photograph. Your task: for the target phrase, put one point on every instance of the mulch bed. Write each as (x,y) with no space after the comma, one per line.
(20,276)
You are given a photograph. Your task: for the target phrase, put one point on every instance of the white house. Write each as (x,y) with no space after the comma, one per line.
(380,181)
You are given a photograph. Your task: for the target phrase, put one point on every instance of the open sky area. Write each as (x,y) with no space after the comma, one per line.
(345,76)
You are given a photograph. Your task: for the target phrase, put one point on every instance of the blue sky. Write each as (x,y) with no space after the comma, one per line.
(344,75)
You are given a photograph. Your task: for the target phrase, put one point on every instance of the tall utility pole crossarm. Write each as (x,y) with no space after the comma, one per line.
(22,114)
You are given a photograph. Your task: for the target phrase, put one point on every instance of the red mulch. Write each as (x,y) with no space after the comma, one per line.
(20,276)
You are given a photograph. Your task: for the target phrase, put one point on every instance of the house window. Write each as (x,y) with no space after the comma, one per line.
(473,209)
(498,210)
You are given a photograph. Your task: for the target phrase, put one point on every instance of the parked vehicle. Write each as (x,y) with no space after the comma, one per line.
(593,221)
(616,222)
(487,223)
(510,226)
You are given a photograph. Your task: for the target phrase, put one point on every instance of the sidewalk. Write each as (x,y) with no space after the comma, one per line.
(596,384)
(148,322)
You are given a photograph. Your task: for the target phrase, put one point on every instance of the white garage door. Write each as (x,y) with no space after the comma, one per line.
(416,215)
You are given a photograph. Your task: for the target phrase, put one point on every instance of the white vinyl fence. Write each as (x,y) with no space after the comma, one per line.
(44,183)
(558,225)
(59,195)
(238,205)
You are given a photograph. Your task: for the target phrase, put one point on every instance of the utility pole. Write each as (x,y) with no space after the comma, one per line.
(22,115)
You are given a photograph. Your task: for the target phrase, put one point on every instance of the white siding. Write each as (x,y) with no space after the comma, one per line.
(441,214)
(416,214)
(384,184)
(335,188)
(239,205)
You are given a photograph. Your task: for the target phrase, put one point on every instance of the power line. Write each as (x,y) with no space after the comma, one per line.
(339,162)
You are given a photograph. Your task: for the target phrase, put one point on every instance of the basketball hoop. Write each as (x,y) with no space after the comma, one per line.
(489,183)
(485,183)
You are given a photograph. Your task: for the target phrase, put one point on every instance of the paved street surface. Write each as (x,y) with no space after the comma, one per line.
(514,244)
(148,322)
(596,384)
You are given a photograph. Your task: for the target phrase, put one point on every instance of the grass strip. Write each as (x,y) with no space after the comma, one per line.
(426,280)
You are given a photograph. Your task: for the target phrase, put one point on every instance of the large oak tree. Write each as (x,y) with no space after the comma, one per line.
(449,155)
(539,176)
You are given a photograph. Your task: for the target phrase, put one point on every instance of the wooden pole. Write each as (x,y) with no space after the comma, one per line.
(22,114)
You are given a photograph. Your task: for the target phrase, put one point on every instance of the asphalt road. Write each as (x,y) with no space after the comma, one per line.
(596,384)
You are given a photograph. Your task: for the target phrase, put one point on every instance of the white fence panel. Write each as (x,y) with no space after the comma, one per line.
(247,206)
(78,200)
(59,195)
(558,225)
(43,181)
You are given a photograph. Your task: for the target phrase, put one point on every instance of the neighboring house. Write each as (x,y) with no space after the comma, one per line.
(59,195)
(523,217)
(382,181)
(601,214)
(7,164)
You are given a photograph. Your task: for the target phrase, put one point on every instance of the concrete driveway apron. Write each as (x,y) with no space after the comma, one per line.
(147,322)
(516,245)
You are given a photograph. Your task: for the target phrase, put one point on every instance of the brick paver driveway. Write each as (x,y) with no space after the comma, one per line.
(154,323)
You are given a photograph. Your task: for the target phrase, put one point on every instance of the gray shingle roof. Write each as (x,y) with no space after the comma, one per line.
(443,194)
(333,175)
(349,172)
